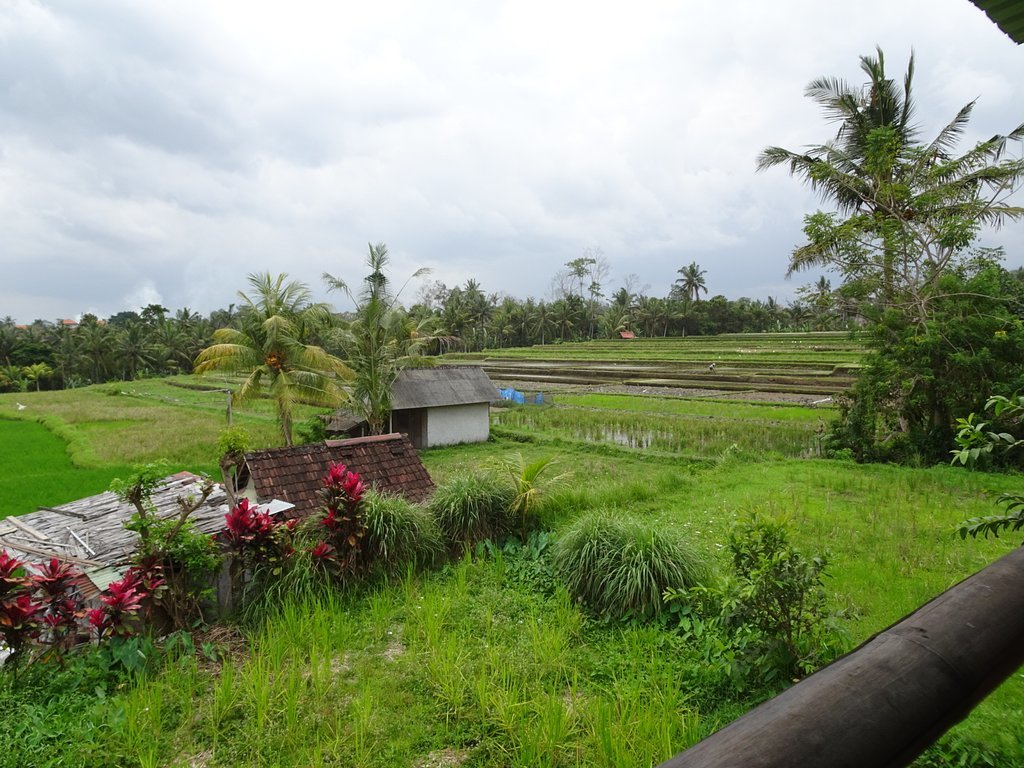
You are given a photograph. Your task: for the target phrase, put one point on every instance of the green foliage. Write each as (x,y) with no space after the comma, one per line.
(1011,520)
(527,562)
(399,534)
(954,751)
(312,429)
(137,488)
(179,547)
(920,375)
(977,439)
(272,349)
(770,622)
(976,442)
(619,566)
(526,488)
(234,442)
(473,506)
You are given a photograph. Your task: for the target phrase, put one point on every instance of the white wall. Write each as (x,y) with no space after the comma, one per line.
(458,424)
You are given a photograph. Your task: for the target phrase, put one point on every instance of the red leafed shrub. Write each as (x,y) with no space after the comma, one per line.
(343,519)
(255,535)
(57,585)
(19,621)
(13,576)
(260,543)
(123,601)
(19,613)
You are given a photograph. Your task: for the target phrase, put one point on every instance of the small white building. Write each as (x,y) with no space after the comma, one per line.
(443,405)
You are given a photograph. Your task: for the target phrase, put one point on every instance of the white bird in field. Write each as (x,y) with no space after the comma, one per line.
(21,407)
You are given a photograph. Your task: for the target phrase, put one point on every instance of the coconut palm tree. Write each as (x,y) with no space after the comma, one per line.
(380,341)
(134,350)
(692,281)
(909,208)
(37,372)
(270,350)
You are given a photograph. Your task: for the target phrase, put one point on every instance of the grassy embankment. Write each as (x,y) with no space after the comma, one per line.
(480,662)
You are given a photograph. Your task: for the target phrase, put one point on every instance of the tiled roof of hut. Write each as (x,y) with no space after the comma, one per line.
(388,463)
(91,532)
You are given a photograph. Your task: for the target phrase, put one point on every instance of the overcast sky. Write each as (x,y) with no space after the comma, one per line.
(161,151)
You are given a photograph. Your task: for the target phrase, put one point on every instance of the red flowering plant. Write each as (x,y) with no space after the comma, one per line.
(342,518)
(260,543)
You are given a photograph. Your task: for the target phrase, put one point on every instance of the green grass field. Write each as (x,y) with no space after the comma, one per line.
(474,665)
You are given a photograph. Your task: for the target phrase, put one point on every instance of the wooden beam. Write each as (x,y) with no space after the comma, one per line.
(67,512)
(884,703)
(28,549)
(25,528)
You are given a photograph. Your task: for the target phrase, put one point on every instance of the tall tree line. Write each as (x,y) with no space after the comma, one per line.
(157,341)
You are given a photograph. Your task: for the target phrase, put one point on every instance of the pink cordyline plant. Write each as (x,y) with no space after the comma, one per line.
(342,516)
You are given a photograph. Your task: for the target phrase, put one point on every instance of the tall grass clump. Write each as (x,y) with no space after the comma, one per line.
(299,579)
(398,534)
(619,566)
(472,507)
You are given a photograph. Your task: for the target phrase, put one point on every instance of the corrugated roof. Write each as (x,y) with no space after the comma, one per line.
(440,386)
(1007,14)
(388,463)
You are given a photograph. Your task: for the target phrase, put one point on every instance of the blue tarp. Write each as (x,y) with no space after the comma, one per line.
(512,394)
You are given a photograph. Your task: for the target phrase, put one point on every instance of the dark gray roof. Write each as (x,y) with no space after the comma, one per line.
(441,385)
(1008,14)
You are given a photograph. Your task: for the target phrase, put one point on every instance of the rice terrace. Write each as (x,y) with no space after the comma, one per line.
(487,661)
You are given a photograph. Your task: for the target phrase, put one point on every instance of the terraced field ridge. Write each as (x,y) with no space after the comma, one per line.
(820,363)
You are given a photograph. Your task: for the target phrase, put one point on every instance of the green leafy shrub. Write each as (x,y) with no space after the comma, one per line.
(619,567)
(527,563)
(170,550)
(527,491)
(472,507)
(770,622)
(399,533)
(313,429)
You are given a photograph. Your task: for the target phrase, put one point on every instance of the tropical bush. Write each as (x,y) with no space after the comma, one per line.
(399,533)
(619,566)
(472,507)
(770,621)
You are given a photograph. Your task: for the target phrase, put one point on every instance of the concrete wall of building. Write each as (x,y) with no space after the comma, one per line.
(458,424)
